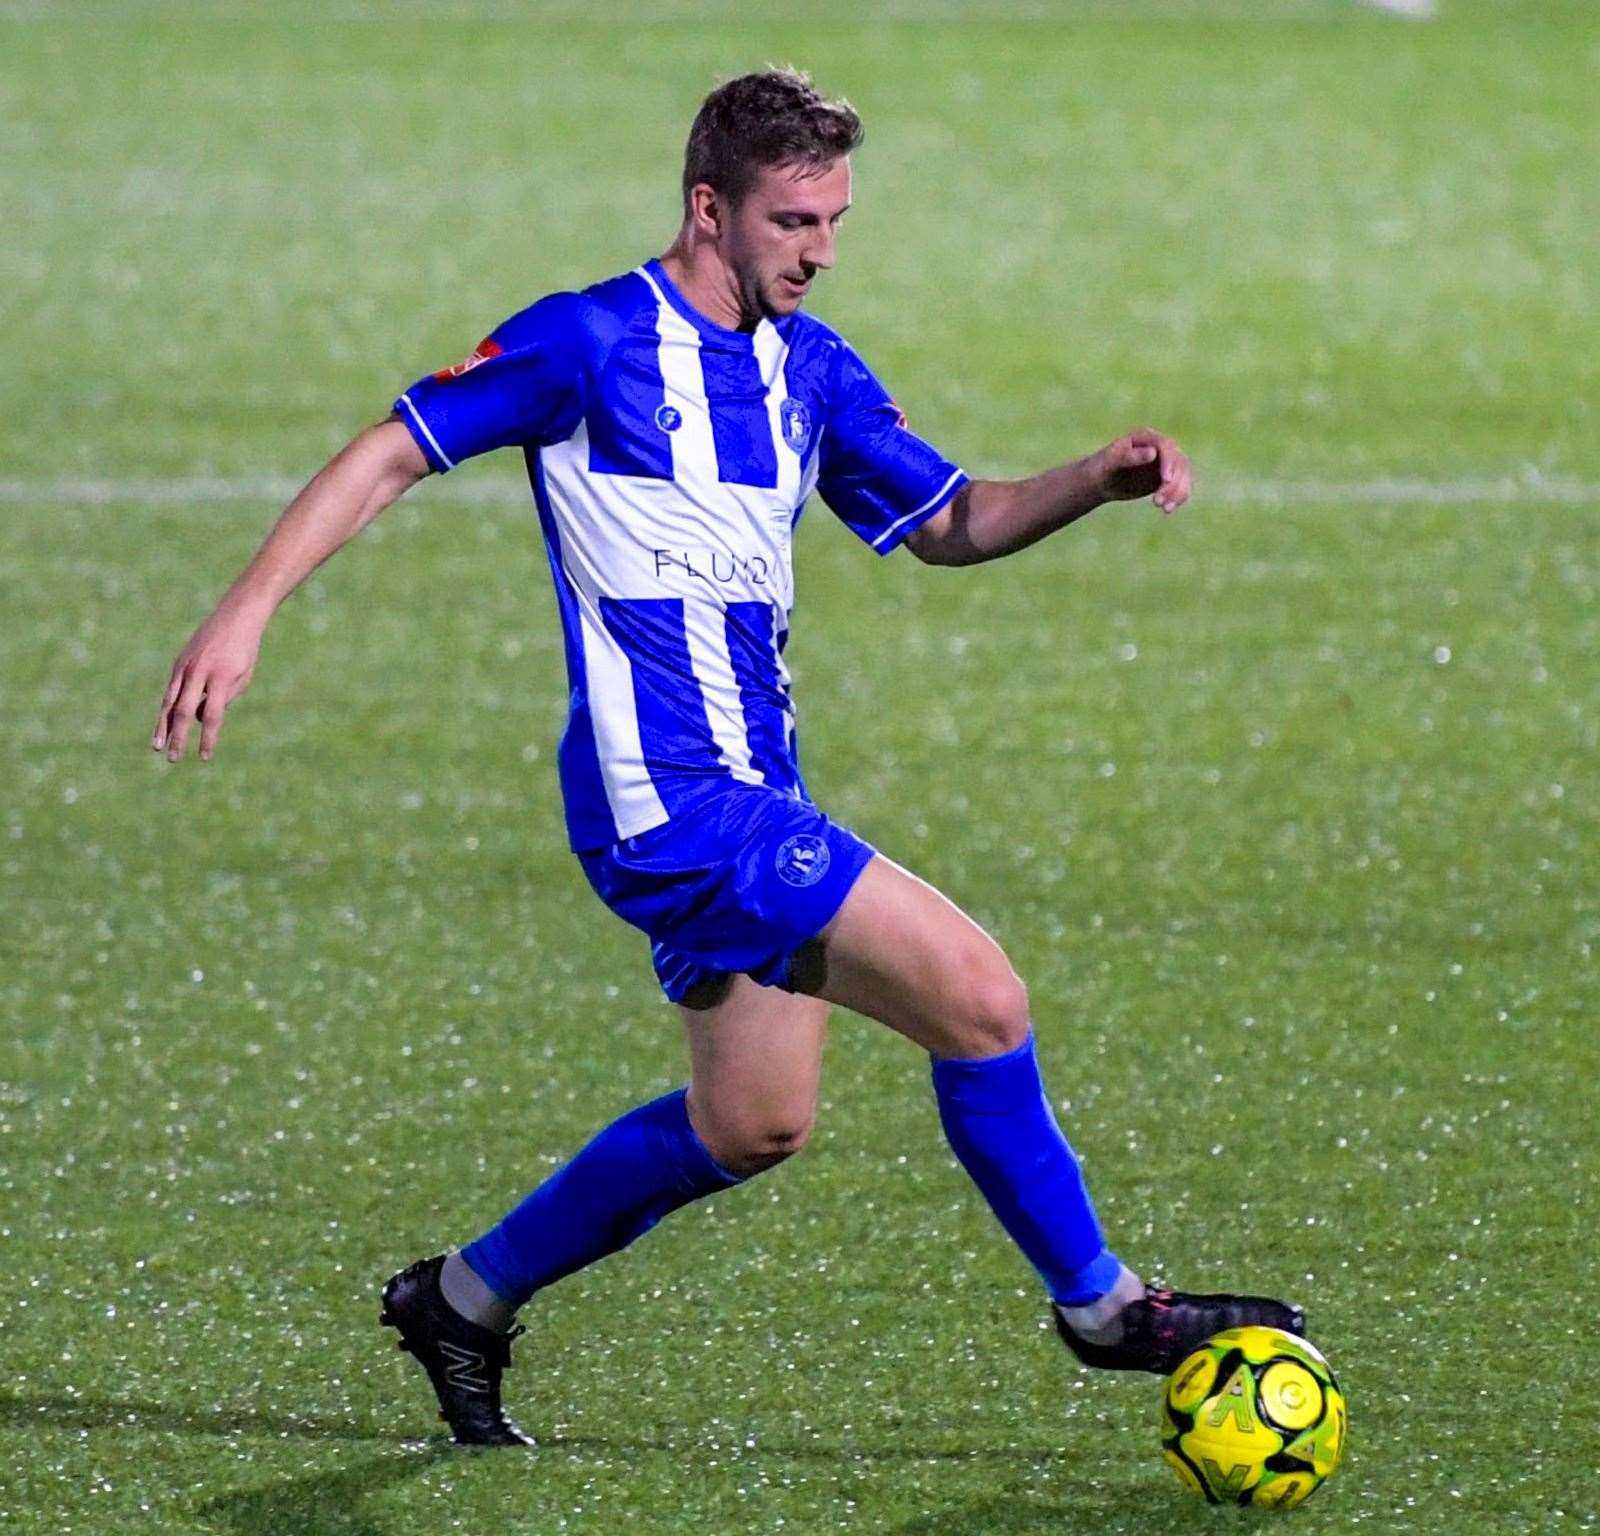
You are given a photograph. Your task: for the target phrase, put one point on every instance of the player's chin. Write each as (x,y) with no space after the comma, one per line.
(786,295)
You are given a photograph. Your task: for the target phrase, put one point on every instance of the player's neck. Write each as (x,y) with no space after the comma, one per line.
(706,283)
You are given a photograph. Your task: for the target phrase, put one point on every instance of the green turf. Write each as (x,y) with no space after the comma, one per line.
(1288,813)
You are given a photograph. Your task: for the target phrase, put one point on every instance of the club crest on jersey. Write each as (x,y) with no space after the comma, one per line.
(795,420)
(669,418)
(803,859)
(480,354)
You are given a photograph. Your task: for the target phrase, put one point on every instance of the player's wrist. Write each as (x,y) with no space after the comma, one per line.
(1103,477)
(1093,485)
(249,604)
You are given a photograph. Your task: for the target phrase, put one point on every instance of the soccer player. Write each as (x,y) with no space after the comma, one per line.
(674,420)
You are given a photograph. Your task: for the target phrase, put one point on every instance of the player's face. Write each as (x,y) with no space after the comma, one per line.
(783,233)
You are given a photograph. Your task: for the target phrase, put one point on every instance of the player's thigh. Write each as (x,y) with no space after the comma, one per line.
(755,1059)
(903,953)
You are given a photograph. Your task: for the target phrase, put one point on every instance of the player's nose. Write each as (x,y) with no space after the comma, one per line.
(819,253)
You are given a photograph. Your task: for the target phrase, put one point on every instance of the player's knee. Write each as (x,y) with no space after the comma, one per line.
(995,1017)
(751,1142)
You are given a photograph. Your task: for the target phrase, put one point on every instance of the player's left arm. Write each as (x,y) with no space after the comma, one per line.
(989,518)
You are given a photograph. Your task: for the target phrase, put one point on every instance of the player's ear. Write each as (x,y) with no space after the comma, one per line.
(706,209)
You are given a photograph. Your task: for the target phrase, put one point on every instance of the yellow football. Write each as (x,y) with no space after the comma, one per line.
(1254,1416)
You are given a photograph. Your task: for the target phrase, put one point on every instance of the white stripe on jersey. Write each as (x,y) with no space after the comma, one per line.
(422,427)
(694,469)
(772,352)
(608,680)
(705,629)
(608,674)
(694,447)
(933,501)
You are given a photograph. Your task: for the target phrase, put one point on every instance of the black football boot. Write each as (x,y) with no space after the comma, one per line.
(463,1360)
(1163,1327)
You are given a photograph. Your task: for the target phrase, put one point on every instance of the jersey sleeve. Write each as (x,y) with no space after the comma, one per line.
(521,386)
(880,479)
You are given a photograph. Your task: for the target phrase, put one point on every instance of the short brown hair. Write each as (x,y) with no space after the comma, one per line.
(776,117)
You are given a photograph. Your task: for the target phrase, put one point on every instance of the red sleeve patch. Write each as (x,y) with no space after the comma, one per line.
(481,354)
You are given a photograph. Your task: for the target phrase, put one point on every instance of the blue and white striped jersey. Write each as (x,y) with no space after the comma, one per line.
(670,459)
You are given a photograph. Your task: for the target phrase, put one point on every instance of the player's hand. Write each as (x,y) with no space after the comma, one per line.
(211,671)
(1145,463)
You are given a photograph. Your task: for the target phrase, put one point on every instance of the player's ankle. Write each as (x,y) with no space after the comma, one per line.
(1100,1321)
(465,1292)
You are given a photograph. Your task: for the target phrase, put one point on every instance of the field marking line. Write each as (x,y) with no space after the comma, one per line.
(1526,489)
(1412,10)
(673,12)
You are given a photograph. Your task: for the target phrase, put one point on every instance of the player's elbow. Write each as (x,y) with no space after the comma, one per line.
(931,542)
(925,545)
(946,537)
(391,454)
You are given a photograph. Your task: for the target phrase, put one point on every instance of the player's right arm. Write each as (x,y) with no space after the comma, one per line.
(520,387)
(370,473)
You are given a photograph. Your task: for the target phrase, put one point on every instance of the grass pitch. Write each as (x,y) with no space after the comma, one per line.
(1286,808)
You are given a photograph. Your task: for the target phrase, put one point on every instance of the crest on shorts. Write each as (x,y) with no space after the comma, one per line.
(795,420)
(669,418)
(803,859)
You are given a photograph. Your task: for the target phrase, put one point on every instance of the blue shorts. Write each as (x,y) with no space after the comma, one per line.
(737,885)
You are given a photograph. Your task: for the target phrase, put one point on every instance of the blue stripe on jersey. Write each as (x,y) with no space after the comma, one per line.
(740,426)
(680,753)
(750,628)
(625,437)
(589,820)
(794,734)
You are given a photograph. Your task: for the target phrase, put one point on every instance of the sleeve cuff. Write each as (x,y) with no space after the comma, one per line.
(902,528)
(437,459)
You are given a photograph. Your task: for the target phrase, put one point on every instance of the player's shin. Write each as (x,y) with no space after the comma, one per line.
(637,1170)
(1000,1125)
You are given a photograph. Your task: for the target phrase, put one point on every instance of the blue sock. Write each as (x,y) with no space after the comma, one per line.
(619,1186)
(1000,1125)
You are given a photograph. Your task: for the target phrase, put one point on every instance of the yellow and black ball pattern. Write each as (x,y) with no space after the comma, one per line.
(1254,1416)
